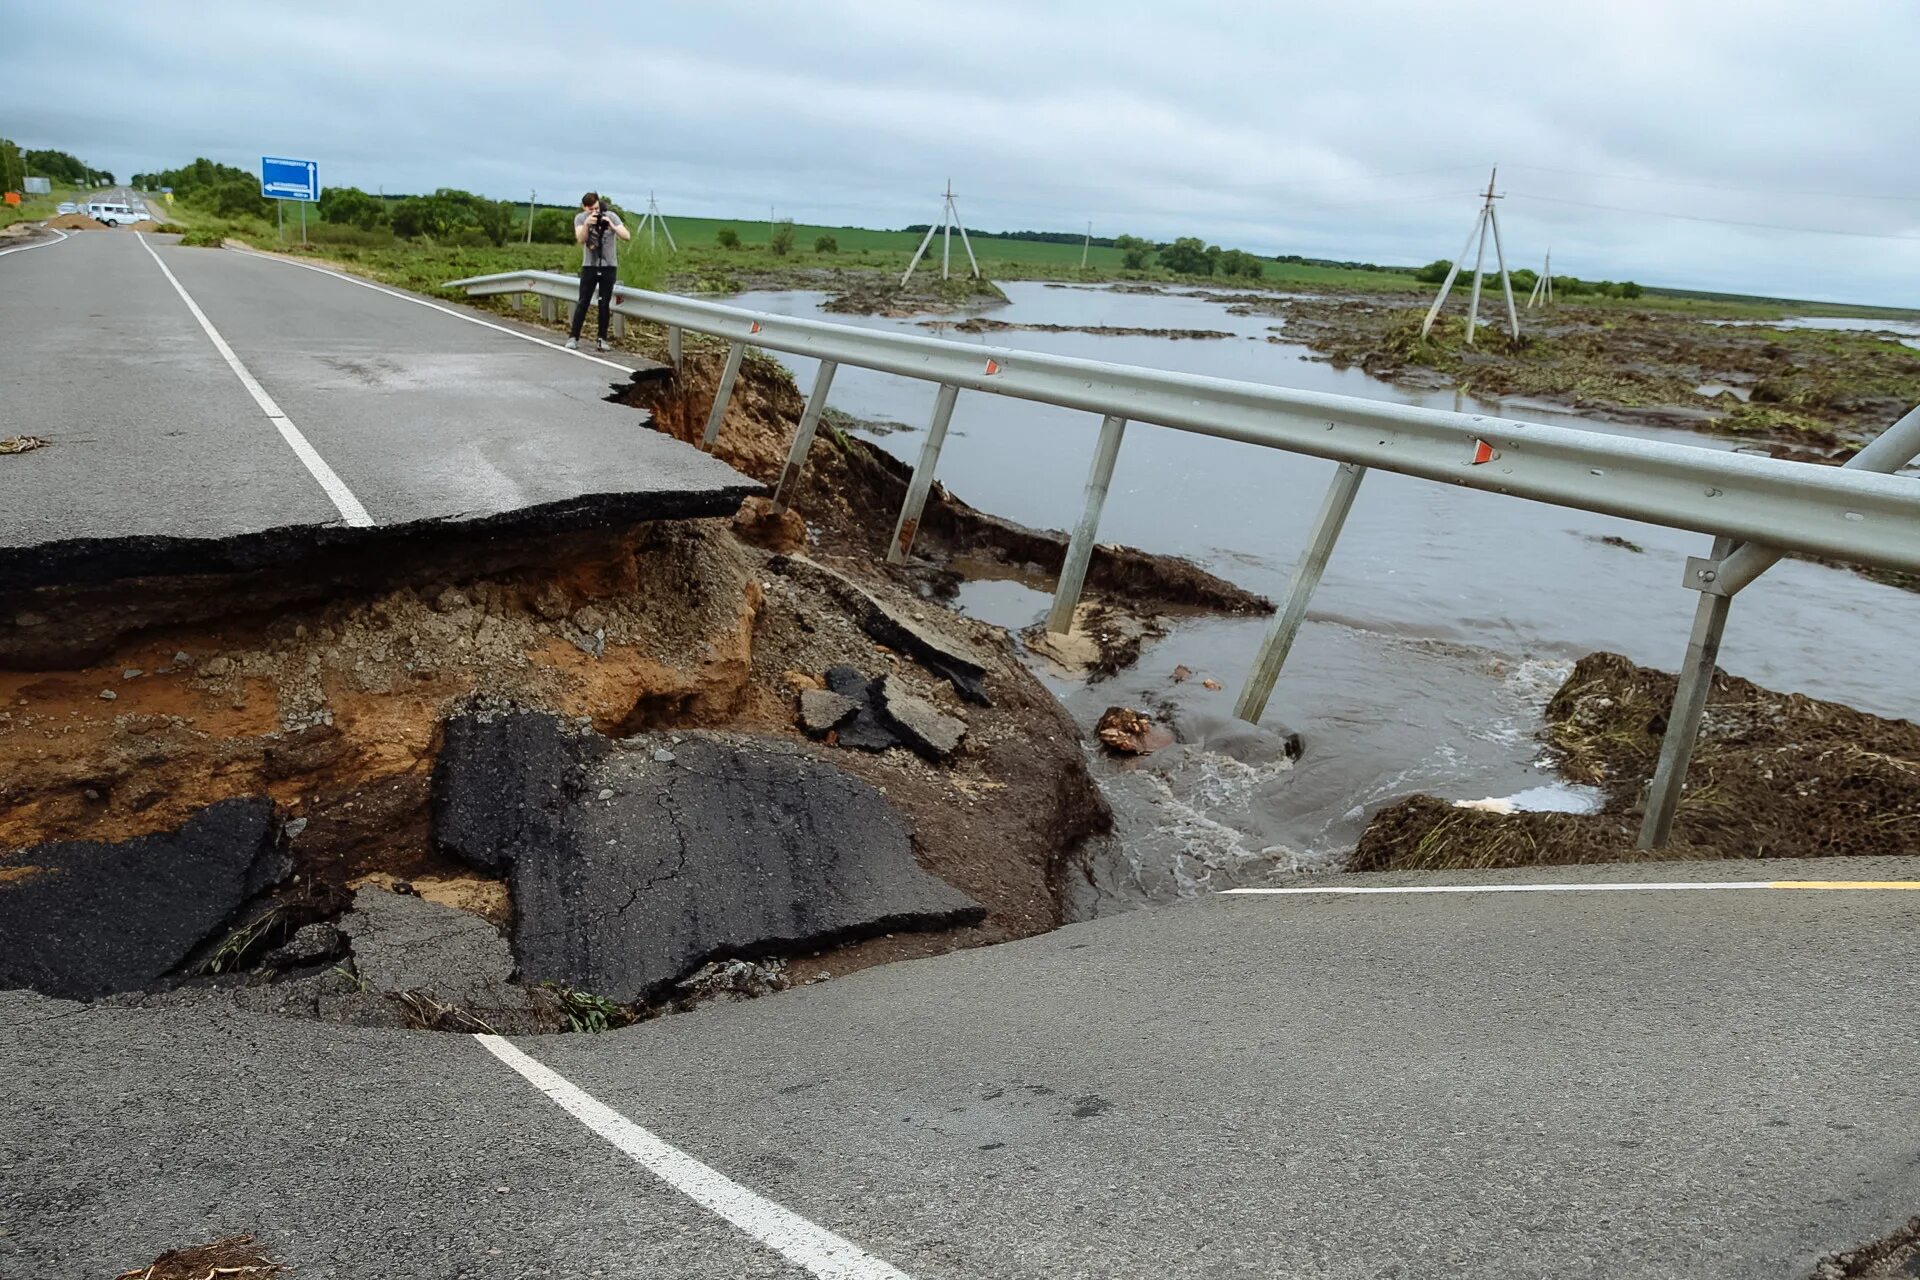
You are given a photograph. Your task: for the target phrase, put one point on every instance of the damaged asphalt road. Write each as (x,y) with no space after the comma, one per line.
(1710,1085)
(164,463)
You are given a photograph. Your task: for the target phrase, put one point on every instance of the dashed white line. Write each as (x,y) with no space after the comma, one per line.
(336,489)
(444,310)
(22,248)
(801,1242)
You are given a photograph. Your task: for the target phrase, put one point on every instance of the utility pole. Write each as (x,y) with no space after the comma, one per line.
(949,219)
(530,198)
(1484,220)
(1543,287)
(653,219)
(1085,243)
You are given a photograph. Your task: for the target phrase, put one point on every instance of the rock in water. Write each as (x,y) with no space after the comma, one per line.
(738,847)
(1130,732)
(81,919)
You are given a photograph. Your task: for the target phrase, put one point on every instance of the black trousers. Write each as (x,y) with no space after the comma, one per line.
(592,278)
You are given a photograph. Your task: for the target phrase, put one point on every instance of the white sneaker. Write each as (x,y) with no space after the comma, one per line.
(602,345)
(573,344)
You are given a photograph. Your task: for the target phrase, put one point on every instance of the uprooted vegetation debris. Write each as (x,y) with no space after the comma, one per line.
(1773,775)
(229,1258)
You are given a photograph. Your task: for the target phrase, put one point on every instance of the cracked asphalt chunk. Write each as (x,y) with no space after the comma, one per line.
(711,846)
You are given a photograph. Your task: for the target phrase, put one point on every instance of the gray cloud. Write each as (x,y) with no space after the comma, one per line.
(1358,130)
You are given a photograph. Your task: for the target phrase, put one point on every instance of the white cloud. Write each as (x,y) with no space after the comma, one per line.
(1353,131)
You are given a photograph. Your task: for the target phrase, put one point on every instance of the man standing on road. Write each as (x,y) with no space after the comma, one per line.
(598,230)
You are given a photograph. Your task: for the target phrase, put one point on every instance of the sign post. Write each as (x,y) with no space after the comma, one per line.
(282,179)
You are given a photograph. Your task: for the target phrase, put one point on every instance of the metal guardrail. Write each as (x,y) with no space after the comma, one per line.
(1756,508)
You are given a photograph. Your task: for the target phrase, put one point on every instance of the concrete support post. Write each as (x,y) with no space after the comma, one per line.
(1306,577)
(910,510)
(803,436)
(1689,708)
(549,309)
(673,346)
(723,394)
(617,325)
(1073,573)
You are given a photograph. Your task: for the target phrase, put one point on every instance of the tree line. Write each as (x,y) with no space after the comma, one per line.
(62,170)
(1525,278)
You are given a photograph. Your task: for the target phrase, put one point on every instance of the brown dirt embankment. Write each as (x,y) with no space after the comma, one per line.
(852,491)
(333,709)
(1773,775)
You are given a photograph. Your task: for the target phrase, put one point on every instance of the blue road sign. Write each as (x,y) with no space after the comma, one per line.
(289,179)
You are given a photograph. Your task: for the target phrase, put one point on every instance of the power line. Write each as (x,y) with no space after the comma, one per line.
(1725,222)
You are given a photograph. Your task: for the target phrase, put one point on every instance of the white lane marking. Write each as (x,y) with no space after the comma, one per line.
(343,500)
(1667,885)
(22,248)
(803,1243)
(445,310)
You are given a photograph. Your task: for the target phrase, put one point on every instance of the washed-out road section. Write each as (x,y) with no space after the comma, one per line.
(164,458)
(1575,1084)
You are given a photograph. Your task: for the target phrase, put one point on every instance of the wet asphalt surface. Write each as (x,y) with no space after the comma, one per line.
(1702,1084)
(160,455)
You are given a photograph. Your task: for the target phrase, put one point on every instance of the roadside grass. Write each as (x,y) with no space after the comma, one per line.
(34,208)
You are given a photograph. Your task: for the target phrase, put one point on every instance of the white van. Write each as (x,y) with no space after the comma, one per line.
(112,213)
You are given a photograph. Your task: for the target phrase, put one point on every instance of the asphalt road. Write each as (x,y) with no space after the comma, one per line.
(1587,1084)
(418,413)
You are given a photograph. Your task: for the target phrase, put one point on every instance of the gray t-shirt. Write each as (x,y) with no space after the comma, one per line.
(609,255)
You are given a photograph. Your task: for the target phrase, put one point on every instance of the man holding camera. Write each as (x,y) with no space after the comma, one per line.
(598,230)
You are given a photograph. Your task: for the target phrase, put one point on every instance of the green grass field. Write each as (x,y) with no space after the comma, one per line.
(700,265)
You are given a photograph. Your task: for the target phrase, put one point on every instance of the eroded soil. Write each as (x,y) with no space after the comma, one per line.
(1773,775)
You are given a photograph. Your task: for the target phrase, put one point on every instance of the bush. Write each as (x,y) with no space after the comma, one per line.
(1434,272)
(352,207)
(1134,257)
(727,238)
(553,226)
(825,244)
(1237,262)
(204,238)
(239,199)
(1628,289)
(782,242)
(1189,256)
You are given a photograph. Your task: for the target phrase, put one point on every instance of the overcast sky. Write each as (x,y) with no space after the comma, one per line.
(1351,130)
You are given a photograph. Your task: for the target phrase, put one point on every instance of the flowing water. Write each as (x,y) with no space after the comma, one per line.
(1446,619)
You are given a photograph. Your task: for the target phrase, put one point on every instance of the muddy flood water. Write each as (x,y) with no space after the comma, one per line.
(1446,618)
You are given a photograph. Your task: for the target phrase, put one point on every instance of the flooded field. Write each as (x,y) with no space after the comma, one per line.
(1446,618)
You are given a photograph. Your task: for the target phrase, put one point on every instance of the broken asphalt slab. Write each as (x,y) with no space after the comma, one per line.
(405,943)
(82,919)
(635,862)
(957,660)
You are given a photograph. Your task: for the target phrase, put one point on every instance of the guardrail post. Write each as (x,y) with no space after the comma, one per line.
(1689,708)
(617,325)
(1073,571)
(673,346)
(723,394)
(1306,577)
(803,436)
(910,510)
(548,309)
